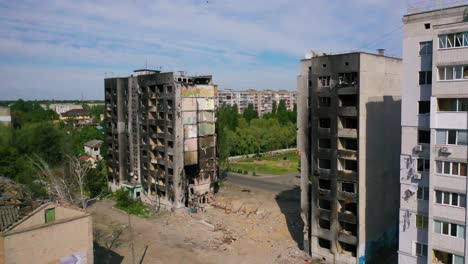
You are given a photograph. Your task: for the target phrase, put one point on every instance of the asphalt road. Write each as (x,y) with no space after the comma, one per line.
(258,183)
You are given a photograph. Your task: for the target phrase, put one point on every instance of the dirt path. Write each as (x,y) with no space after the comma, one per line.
(256,227)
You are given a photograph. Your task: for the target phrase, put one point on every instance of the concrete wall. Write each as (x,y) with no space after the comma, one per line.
(33,241)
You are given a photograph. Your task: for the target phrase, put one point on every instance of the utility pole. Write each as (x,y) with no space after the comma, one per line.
(131,237)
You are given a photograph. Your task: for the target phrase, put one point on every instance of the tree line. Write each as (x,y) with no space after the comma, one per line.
(247,133)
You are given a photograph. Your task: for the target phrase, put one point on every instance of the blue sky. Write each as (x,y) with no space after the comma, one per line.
(61,49)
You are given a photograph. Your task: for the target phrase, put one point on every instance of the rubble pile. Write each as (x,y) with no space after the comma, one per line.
(13,193)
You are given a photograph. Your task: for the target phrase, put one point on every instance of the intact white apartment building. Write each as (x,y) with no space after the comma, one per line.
(434,149)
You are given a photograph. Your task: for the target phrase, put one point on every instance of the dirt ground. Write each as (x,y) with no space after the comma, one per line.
(240,226)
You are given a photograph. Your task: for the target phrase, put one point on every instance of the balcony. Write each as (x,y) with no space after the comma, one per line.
(347,111)
(347,154)
(348,89)
(347,132)
(347,176)
(450,120)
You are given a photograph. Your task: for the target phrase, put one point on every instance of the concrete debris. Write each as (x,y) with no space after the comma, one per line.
(12,193)
(203,222)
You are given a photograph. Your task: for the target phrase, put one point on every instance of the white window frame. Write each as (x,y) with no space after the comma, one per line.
(450,227)
(449,198)
(454,76)
(447,136)
(444,39)
(423,245)
(451,173)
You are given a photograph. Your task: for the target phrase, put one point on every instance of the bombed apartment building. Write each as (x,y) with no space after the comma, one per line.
(349,142)
(161,137)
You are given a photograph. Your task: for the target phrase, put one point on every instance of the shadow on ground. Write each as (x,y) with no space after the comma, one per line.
(290,205)
(103,255)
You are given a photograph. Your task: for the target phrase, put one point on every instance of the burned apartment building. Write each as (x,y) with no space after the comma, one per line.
(161,137)
(349,142)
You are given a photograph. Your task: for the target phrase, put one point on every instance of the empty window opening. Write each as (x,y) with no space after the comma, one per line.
(349,165)
(346,249)
(324,65)
(170,144)
(169,130)
(427,25)
(325,224)
(324,81)
(348,228)
(347,207)
(169,116)
(324,101)
(324,122)
(348,100)
(424,107)
(347,78)
(349,122)
(324,243)
(348,187)
(169,104)
(324,164)
(161,115)
(349,143)
(324,143)
(424,136)
(179,79)
(324,184)
(324,204)
(169,89)
(170,172)
(346,63)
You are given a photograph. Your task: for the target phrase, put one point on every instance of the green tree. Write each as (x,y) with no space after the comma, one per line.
(293,115)
(250,113)
(273,109)
(282,113)
(43,139)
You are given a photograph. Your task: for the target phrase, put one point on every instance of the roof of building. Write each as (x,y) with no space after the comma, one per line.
(86,158)
(76,112)
(8,216)
(353,52)
(95,143)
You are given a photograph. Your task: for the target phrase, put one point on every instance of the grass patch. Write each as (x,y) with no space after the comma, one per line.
(275,165)
(133,207)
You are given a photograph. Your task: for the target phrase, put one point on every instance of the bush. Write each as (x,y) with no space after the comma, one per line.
(254,173)
(246,172)
(239,171)
(125,203)
(285,158)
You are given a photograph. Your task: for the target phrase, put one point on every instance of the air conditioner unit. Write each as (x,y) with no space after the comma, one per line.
(418,148)
(445,150)
(417,176)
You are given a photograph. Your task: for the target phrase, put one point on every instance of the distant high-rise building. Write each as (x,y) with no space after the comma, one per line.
(348,139)
(434,152)
(5,115)
(161,136)
(262,101)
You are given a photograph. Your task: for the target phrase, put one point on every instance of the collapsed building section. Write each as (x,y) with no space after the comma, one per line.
(161,137)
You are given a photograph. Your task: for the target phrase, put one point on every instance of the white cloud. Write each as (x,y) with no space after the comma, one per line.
(220,37)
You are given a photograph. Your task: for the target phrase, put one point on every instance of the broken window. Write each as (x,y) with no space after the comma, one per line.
(324,101)
(324,204)
(348,100)
(169,89)
(349,122)
(324,81)
(348,187)
(170,144)
(347,207)
(324,243)
(325,224)
(348,143)
(348,228)
(350,165)
(324,184)
(324,164)
(324,143)
(346,249)
(160,88)
(324,122)
(345,78)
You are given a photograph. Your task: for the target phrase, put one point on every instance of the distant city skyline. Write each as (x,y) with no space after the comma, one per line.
(63,49)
